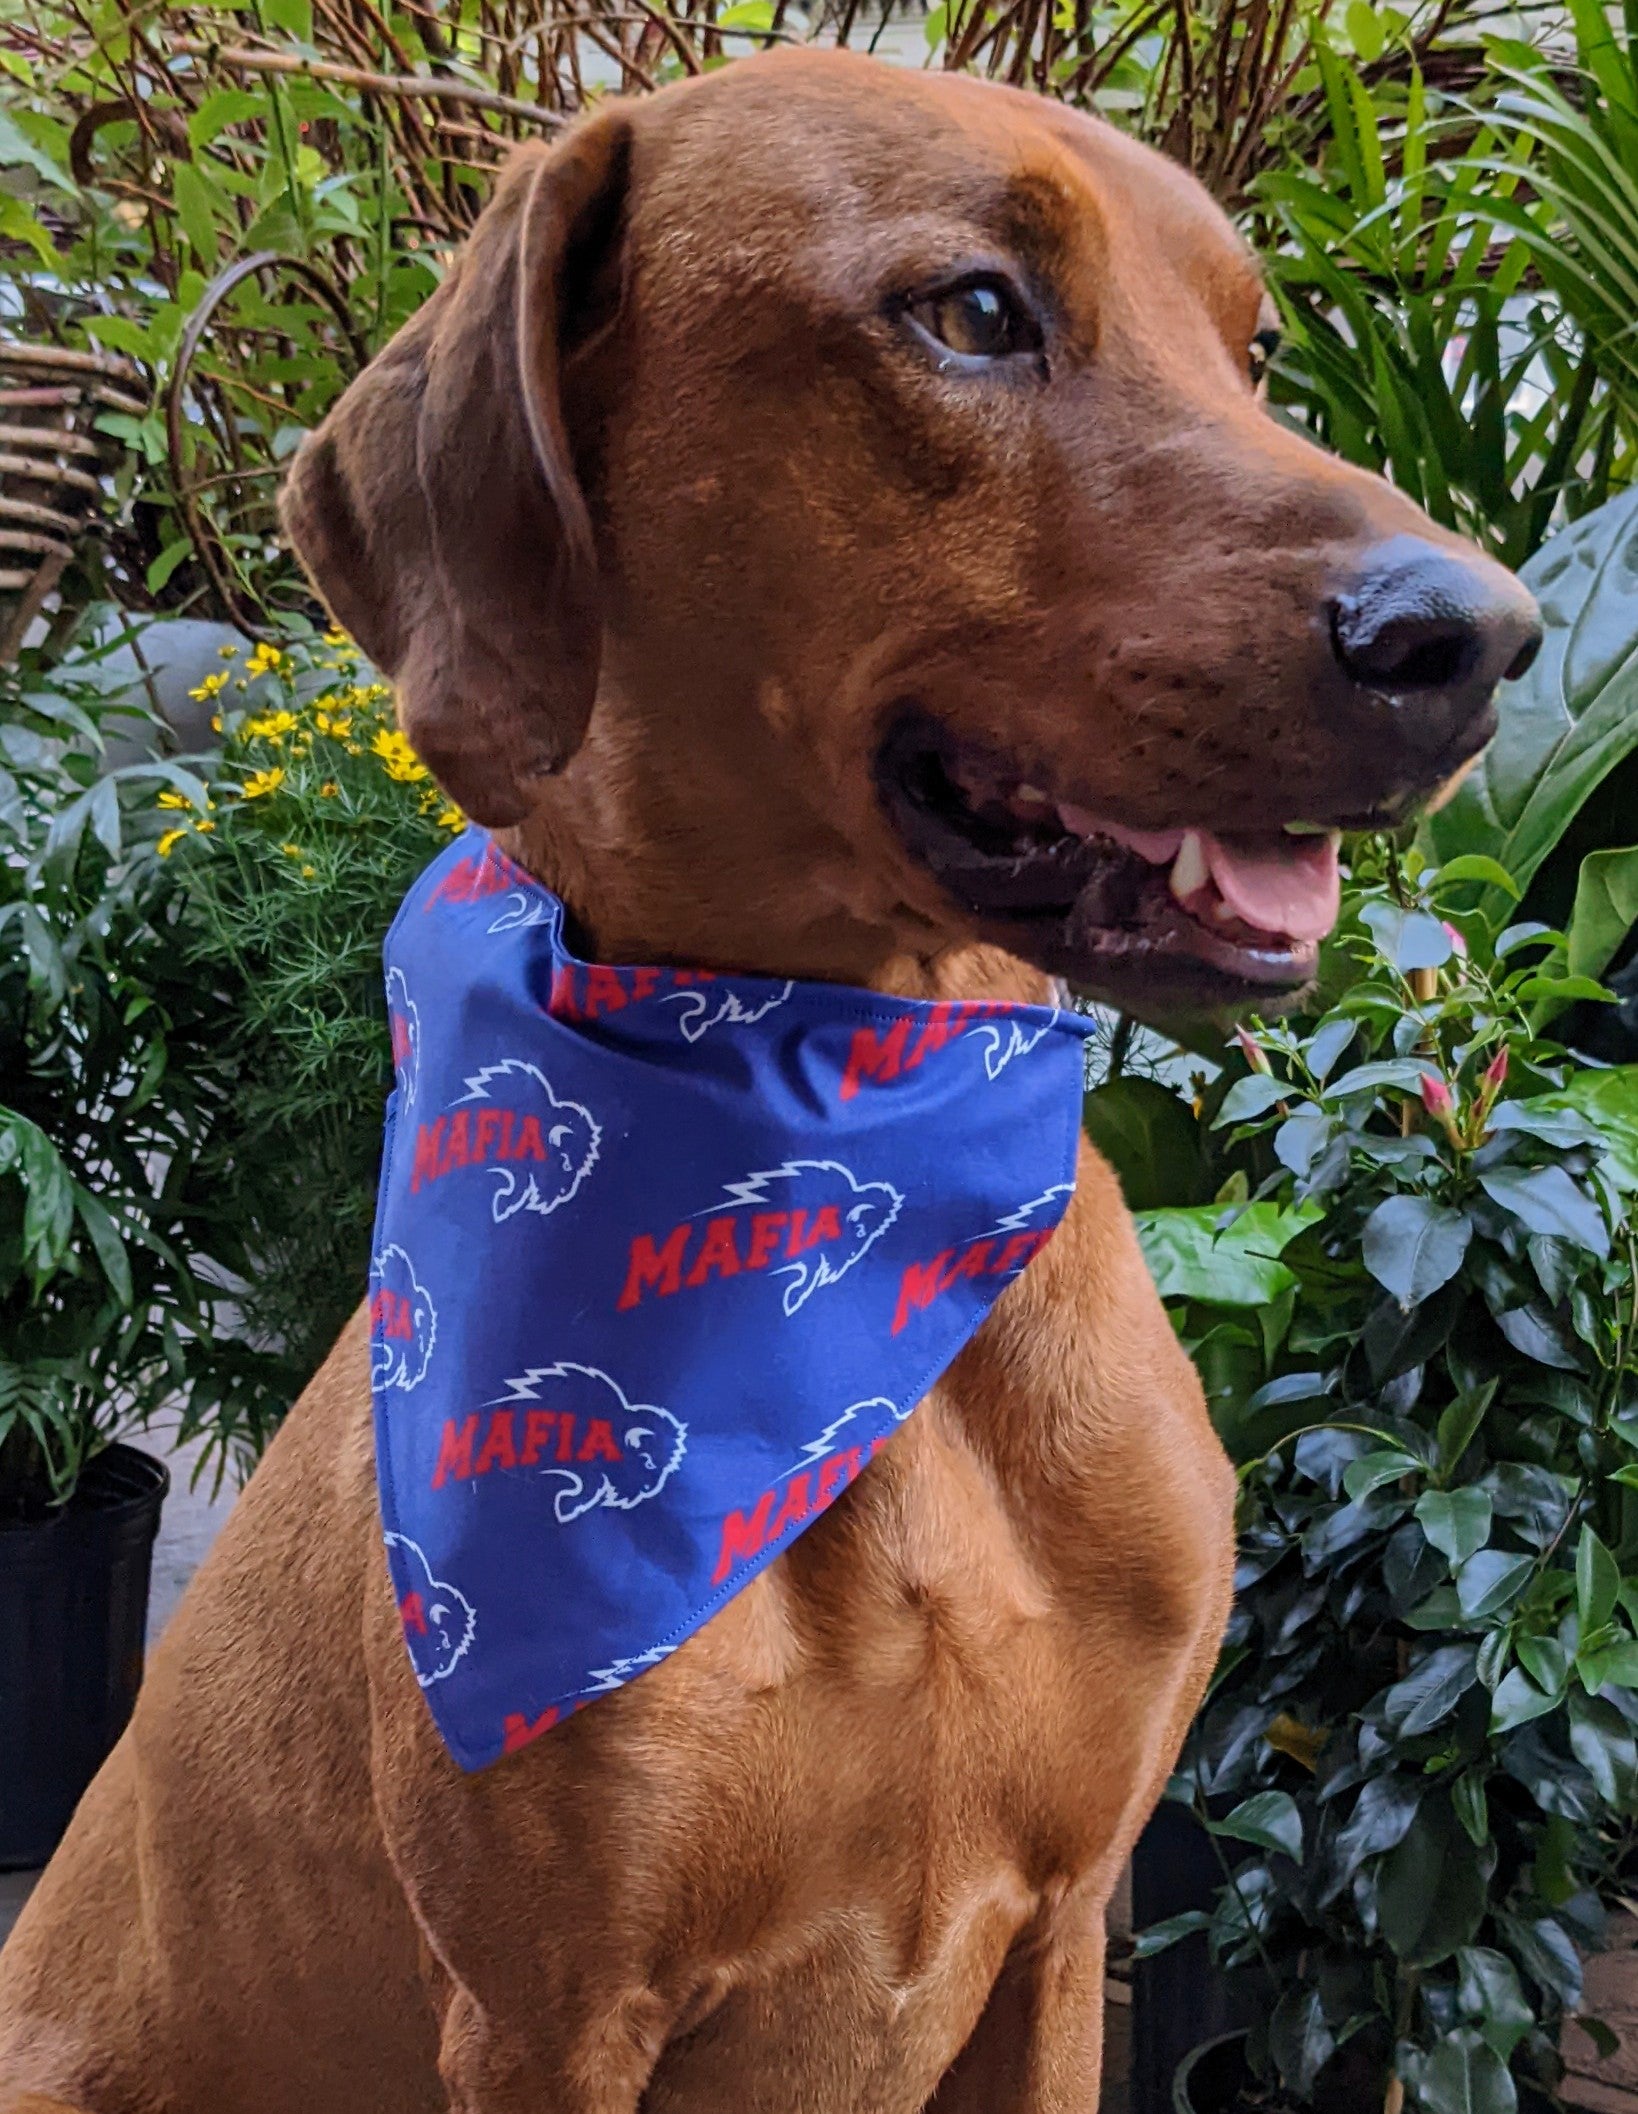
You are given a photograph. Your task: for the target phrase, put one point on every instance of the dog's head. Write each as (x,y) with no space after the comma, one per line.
(882,455)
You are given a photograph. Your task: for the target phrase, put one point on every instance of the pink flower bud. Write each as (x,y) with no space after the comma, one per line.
(1253,1052)
(1436,1098)
(1495,1072)
(1458,944)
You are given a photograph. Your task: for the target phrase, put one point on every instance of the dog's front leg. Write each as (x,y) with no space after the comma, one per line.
(530,2065)
(1038,2044)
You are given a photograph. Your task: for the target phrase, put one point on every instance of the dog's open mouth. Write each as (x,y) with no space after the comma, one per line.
(1191,916)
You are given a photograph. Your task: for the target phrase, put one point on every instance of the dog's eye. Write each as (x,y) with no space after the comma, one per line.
(1263,348)
(982,320)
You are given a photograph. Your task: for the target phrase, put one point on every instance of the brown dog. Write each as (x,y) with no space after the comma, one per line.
(817,496)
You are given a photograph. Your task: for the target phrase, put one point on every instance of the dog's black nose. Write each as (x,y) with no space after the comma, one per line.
(1432,633)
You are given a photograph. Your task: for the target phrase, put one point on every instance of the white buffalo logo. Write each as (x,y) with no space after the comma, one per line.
(404,1025)
(703,1007)
(439,1621)
(1004,1040)
(403,1321)
(861,1212)
(552,1145)
(644,1447)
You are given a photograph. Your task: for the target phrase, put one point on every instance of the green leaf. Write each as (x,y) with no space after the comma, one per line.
(1465,2075)
(1608,1100)
(1269,1819)
(1158,1937)
(1412,1246)
(194,210)
(18,151)
(1472,1807)
(1489,1581)
(1459,1423)
(1299,2039)
(1609,1665)
(18,224)
(1476,866)
(1546,1661)
(1430,1691)
(1606,908)
(1517,1701)
(1252,1096)
(1457,1522)
(1597,1582)
(105,1239)
(1372,1470)
(1367,36)
(1572,718)
(1601,1741)
(1546,1200)
(1151,1139)
(1431,1895)
(1193,1255)
(1410,939)
(224,107)
(1489,1996)
(1405,1072)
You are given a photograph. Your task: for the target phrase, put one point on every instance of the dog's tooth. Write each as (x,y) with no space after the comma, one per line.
(1190,872)
(1030,796)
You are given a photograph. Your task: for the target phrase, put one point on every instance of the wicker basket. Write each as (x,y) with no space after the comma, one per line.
(52,466)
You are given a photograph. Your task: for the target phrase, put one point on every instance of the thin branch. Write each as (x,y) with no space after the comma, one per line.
(399,85)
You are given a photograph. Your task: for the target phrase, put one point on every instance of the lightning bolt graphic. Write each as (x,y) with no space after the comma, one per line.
(526,1386)
(606,1678)
(816,1449)
(1023,1218)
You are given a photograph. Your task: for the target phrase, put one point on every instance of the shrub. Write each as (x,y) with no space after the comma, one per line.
(322,817)
(113,1242)
(1423,1725)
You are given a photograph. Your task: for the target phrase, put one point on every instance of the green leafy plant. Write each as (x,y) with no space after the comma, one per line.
(319,817)
(113,1247)
(1567,747)
(1419,340)
(1421,1739)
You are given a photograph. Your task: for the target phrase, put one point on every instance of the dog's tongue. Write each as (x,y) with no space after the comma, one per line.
(1278,883)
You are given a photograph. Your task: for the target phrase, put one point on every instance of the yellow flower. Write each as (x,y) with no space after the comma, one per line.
(216,722)
(335,636)
(170,799)
(398,758)
(329,789)
(228,653)
(168,843)
(260,782)
(452,818)
(270,726)
(203,827)
(337,723)
(292,851)
(266,660)
(308,872)
(209,687)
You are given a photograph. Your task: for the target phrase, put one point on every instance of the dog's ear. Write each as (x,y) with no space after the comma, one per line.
(437,508)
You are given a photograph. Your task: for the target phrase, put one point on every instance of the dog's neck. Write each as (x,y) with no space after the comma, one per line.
(687,860)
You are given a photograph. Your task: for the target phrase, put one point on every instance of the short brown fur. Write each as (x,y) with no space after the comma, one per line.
(651,516)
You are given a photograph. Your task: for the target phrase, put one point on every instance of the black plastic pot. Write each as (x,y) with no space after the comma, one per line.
(1179,1999)
(73,1611)
(1210,2080)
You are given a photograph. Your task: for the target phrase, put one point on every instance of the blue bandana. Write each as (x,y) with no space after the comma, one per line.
(661,1259)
